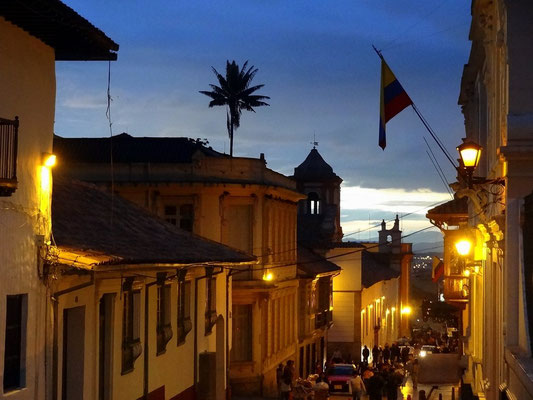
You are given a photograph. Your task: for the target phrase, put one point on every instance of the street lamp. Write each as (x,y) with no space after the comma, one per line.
(469,155)
(463,247)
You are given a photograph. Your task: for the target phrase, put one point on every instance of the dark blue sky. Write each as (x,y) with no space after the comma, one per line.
(316,61)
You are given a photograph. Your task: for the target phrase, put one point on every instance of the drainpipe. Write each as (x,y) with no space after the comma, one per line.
(55,300)
(196,324)
(228,276)
(146,347)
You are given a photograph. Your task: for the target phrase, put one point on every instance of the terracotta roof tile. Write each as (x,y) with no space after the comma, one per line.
(60,27)
(89,219)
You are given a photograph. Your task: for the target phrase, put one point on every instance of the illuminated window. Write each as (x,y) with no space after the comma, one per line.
(313,203)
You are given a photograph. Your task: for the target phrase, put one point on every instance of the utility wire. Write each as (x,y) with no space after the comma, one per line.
(108,116)
(402,33)
(437,163)
(433,134)
(443,179)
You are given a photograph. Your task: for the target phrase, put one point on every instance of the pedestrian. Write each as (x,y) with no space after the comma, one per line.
(279,378)
(394,380)
(386,354)
(375,355)
(405,354)
(358,387)
(366,354)
(394,353)
(286,383)
(337,356)
(375,386)
(318,368)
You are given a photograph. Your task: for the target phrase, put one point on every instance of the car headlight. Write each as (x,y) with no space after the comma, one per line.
(423,353)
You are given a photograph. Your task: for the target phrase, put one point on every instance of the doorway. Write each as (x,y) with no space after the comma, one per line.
(73,353)
(105,346)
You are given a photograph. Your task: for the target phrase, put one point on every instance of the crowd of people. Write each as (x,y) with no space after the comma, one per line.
(381,371)
(381,377)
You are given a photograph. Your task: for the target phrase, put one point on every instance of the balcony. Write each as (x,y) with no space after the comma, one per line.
(8,156)
(456,289)
(323,319)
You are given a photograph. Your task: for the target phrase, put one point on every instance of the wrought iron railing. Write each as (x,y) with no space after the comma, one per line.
(8,155)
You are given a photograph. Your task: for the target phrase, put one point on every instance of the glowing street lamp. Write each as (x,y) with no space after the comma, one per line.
(469,153)
(49,160)
(406,310)
(463,247)
(268,276)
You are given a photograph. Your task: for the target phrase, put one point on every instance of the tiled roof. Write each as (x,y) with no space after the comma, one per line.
(60,27)
(451,213)
(88,219)
(455,206)
(375,268)
(314,168)
(129,149)
(312,264)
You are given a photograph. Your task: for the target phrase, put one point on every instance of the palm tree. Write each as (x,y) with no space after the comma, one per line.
(235,92)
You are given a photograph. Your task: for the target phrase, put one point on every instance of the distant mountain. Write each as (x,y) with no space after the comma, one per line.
(431,248)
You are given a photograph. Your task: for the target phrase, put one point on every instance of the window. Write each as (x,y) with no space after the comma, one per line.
(180,215)
(164,329)
(15,345)
(242,332)
(8,156)
(184,307)
(211,301)
(313,203)
(131,328)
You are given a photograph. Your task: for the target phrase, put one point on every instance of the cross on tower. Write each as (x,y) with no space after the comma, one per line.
(314,142)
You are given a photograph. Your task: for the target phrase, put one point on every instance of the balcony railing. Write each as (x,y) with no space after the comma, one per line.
(8,156)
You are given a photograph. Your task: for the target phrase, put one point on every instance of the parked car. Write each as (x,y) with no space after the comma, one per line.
(338,376)
(426,349)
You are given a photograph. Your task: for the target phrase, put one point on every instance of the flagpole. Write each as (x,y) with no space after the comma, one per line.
(424,122)
(378,52)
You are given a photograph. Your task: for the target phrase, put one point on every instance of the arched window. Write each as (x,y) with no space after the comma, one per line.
(313,203)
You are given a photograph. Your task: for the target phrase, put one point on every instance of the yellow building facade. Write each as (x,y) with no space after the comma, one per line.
(27,108)
(235,201)
(493,278)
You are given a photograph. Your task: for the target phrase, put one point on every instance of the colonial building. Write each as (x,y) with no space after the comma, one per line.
(497,102)
(235,201)
(33,35)
(139,305)
(372,274)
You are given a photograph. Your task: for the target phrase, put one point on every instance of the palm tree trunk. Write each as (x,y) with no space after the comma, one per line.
(231,137)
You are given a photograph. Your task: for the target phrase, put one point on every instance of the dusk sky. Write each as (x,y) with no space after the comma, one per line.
(318,66)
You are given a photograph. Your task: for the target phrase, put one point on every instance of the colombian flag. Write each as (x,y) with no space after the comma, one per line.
(438,269)
(393,100)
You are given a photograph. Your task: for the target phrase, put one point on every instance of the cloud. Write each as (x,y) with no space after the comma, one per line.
(84,101)
(395,200)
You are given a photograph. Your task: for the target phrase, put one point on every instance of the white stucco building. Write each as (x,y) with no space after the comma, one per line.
(32,38)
